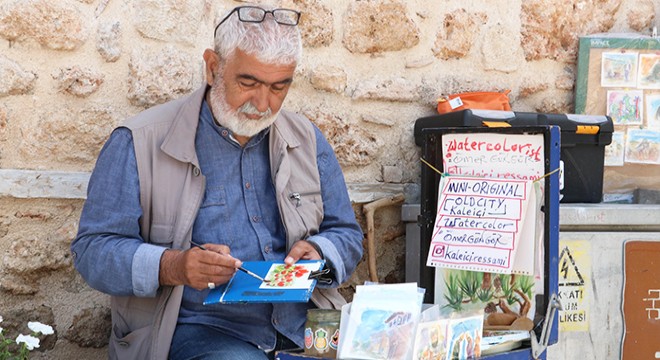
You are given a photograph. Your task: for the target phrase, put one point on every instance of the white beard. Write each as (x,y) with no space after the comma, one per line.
(236,120)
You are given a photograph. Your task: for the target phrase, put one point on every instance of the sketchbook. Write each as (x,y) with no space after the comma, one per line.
(285,283)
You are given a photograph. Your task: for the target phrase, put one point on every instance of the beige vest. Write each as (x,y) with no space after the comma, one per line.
(171,191)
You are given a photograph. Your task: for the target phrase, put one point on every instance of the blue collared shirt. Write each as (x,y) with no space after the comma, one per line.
(239,210)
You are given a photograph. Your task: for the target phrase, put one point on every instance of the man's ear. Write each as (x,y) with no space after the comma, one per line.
(212,60)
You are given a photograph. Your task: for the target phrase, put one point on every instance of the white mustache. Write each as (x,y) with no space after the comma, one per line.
(250,109)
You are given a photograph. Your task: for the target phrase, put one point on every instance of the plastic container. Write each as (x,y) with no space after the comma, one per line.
(322,333)
(583,141)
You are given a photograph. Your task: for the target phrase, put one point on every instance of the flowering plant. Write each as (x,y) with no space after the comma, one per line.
(24,343)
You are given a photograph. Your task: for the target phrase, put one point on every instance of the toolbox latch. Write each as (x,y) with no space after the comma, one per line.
(495,124)
(587,129)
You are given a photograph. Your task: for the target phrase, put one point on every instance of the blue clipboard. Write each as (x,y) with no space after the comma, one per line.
(243,288)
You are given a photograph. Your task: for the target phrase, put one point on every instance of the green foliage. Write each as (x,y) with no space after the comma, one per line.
(19,349)
(9,350)
(526,285)
(454,295)
(469,282)
(485,295)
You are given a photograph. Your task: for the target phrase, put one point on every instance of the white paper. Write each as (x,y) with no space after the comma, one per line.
(484,225)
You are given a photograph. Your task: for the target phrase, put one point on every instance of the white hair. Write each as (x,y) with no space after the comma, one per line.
(268,41)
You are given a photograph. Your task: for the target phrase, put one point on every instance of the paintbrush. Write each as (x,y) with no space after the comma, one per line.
(239,268)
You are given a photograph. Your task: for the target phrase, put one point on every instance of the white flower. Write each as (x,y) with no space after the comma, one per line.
(30,342)
(0,318)
(1,330)
(40,328)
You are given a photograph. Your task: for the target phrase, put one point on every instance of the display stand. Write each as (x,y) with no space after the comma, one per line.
(619,75)
(545,320)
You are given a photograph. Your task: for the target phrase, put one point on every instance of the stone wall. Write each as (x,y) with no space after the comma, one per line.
(71,70)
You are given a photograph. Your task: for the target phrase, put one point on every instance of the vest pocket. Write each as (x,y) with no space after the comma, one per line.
(214,196)
(133,345)
(309,206)
(161,234)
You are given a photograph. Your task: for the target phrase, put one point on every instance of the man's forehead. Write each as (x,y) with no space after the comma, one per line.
(244,64)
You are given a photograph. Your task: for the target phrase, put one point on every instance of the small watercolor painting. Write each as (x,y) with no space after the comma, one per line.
(381,334)
(625,107)
(465,338)
(431,340)
(649,71)
(618,69)
(294,276)
(643,146)
(615,150)
(653,111)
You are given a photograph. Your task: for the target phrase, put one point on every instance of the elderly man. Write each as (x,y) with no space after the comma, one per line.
(226,168)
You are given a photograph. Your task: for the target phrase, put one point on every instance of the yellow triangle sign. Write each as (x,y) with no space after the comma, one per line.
(569,274)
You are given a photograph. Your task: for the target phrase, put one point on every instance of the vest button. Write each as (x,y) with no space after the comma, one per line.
(225,133)
(196,171)
(256,218)
(267,249)
(247,185)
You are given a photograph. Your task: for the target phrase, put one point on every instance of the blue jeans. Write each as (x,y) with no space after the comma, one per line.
(201,342)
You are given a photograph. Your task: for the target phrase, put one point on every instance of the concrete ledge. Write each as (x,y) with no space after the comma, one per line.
(609,217)
(28,184)
(43,184)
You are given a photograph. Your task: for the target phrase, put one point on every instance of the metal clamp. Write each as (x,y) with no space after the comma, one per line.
(538,347)
(322,276)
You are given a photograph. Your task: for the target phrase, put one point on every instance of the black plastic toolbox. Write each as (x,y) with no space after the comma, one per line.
(583,141)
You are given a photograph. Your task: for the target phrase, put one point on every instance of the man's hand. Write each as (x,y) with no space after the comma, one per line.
(196,267)
(301,249)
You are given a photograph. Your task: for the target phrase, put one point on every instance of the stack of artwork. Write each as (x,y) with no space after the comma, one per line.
(386,321)
(380,322)
(442,337)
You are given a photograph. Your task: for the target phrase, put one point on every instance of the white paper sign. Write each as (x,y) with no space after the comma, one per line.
(505,156)
(482,223)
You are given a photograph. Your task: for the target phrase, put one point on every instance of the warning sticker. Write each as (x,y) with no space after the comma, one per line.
(574,264)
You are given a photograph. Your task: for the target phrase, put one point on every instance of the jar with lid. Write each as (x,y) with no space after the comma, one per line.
(322,332)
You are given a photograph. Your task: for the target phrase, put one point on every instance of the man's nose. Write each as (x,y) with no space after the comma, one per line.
(261,98)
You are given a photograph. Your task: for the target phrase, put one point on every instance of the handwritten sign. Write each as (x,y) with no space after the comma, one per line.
(504,156)
(480,225)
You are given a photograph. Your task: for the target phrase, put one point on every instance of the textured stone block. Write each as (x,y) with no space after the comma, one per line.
(90,327)
(156,77)
(316,22)
(550,28)
(108,40)
(77,81)
(15,80)
(329,78)
(641,16)
(169,21)
(353,145)
(457,34)
(397,89)
(373,26)
(57,25)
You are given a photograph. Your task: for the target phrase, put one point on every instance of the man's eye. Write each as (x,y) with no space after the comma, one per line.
(248,83)
(279,87)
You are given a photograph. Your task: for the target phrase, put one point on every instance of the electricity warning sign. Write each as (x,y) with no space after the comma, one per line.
(574,264)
